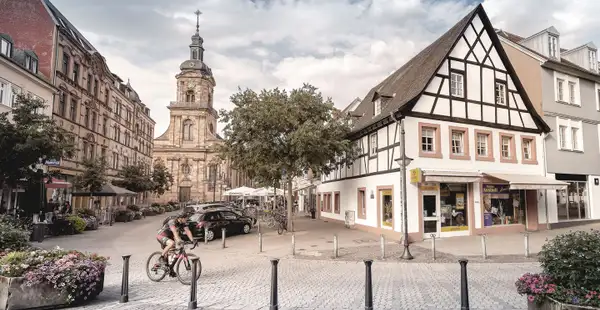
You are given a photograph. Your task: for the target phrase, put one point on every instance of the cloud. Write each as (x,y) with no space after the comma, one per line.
(344,47)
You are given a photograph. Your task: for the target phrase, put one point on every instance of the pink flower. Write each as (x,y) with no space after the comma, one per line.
(530,298)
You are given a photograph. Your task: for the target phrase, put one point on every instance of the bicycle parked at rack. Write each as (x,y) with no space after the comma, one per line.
(282,226)
(178,259)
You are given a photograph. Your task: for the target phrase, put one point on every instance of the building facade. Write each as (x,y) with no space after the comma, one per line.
(105,116)
(566,86)
(189,145)
(473,134)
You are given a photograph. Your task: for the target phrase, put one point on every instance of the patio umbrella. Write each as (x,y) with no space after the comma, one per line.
(107,190)
(56,183)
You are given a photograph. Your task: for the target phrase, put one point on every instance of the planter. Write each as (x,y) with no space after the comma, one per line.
(16,295)
(551,304)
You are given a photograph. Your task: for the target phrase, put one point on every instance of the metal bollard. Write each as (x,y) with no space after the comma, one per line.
(368,285)
(293,244)
(259,242)
(464,287)
(274,305)
(125,280)
(382,241)
(483,246)
(205,234)
(335,246)
(193,303)
(433,246)
(223,236)
(526,244)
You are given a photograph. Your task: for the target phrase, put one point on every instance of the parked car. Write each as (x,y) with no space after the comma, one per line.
(215,219)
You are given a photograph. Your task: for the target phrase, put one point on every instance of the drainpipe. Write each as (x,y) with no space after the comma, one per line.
(544,136)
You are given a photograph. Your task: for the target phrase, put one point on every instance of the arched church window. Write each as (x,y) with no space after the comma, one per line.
(194,54)
(187,130)
(211,128)
(185,169)
(189,96)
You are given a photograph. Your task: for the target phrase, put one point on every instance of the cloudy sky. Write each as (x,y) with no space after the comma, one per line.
(344,47)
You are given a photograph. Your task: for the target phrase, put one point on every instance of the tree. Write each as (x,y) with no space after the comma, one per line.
(135,178)
(29,138)
(276,135)
(93,177)
(161,177)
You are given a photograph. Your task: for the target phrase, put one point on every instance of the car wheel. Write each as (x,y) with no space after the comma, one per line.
(246,228)
(209,235)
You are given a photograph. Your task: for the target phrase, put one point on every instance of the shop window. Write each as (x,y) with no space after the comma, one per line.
(386,206)
(502,206)
(453,207)
(572,202)
(529,150)
(362,203)
(336,203)
(459,143)
(429,137)
(507,148)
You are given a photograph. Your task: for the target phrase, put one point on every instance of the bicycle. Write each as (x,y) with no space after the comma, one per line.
(282,225)
(176,258)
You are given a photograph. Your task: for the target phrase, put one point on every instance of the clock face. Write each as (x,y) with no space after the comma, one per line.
(191,64)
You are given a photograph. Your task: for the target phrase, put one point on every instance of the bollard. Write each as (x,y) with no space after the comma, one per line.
(382,241)
(125,280)
(368,285)
(223,236)
(526,244)
(193,304)
(433,246)
(274,303)
(464,287)
(335,246)
(205,234)
(293,244)
(483,246)
(259,242)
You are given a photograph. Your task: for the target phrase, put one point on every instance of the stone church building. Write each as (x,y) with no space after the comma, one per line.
(188,146)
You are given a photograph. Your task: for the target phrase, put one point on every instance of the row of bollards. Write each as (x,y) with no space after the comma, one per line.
(484,253)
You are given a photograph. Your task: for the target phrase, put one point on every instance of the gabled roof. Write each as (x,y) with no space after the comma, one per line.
(61,21)
(410,80)
(589,45)
(352,106)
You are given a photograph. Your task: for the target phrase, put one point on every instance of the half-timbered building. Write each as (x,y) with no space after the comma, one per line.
(471,131)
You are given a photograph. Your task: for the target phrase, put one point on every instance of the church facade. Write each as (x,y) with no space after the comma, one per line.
(188,147)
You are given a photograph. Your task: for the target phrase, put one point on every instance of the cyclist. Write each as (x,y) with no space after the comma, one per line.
(169,234)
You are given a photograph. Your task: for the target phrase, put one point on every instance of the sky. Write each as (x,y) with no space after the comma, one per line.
(343,47)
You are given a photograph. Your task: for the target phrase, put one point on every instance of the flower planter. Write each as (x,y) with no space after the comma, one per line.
(15,294)
(551,304)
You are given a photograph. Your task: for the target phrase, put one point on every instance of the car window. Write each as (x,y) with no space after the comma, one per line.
(214,216)
(195,217)
(229,215)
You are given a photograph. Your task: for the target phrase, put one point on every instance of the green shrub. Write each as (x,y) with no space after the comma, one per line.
(161,210)
(155,204)
(85,212)
(572,260)
(13,237)
(133,208)
(78,223)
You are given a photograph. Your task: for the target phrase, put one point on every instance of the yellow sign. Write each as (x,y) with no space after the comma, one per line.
(454,228)
(429,187)
(415,175)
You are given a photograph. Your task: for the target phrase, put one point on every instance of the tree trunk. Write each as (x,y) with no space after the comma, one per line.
(290,204)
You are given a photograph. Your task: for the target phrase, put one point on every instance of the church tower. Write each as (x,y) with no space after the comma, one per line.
(187,147)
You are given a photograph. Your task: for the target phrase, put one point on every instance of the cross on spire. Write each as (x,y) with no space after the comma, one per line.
(197,20)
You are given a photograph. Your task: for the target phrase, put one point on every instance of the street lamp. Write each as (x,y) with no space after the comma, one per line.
(404,161)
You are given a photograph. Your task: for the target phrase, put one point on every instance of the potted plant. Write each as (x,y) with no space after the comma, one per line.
(122,216)
(570,279)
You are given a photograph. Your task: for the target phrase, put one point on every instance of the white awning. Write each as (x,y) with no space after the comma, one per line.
(523,181)
(444,176)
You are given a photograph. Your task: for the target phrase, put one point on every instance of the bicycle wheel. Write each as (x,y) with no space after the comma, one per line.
(184,270)
(155,271)
(280,228)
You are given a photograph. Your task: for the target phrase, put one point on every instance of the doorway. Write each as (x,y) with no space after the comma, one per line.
(185,194)
(431,222)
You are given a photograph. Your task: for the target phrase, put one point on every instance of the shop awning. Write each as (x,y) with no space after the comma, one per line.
(443,176)
(525,181)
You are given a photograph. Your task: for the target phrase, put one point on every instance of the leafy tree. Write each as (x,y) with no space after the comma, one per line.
(135,178)
(161,177)
(93,177)
(276,135)
(28,138)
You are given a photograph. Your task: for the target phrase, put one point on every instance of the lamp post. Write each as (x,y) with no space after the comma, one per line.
(214,167)
(404,161)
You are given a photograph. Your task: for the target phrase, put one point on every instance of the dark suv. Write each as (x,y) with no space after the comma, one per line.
(215,219)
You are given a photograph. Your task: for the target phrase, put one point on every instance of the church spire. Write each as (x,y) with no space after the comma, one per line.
(196,48)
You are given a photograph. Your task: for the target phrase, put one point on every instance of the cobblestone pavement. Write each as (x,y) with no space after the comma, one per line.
(237,279)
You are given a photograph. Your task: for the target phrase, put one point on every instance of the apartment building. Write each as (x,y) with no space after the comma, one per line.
(564,85)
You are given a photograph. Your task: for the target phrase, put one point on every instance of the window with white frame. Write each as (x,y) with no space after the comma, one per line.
(15,91)
(456,84)
(458,142)
(575,138)
(506,141)
(373,143)
(559,89)
(593,61)
(571,93)
(552,46)
(500,93)
(377,107)
(562,136)
(3,91)
(5,47)
(428,140)
(482,144)
(570,135)
(527,149)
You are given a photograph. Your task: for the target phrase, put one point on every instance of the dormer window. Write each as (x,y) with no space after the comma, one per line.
(593,61)
(552,46)
(31,64)
(5,47)
(377,107)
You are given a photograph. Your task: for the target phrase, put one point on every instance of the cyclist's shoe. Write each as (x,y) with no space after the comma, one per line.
(172,274)
(162,260)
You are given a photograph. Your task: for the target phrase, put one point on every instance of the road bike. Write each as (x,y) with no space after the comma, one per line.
(179,261)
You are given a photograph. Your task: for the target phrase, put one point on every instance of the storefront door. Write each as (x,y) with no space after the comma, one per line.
(431,211)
